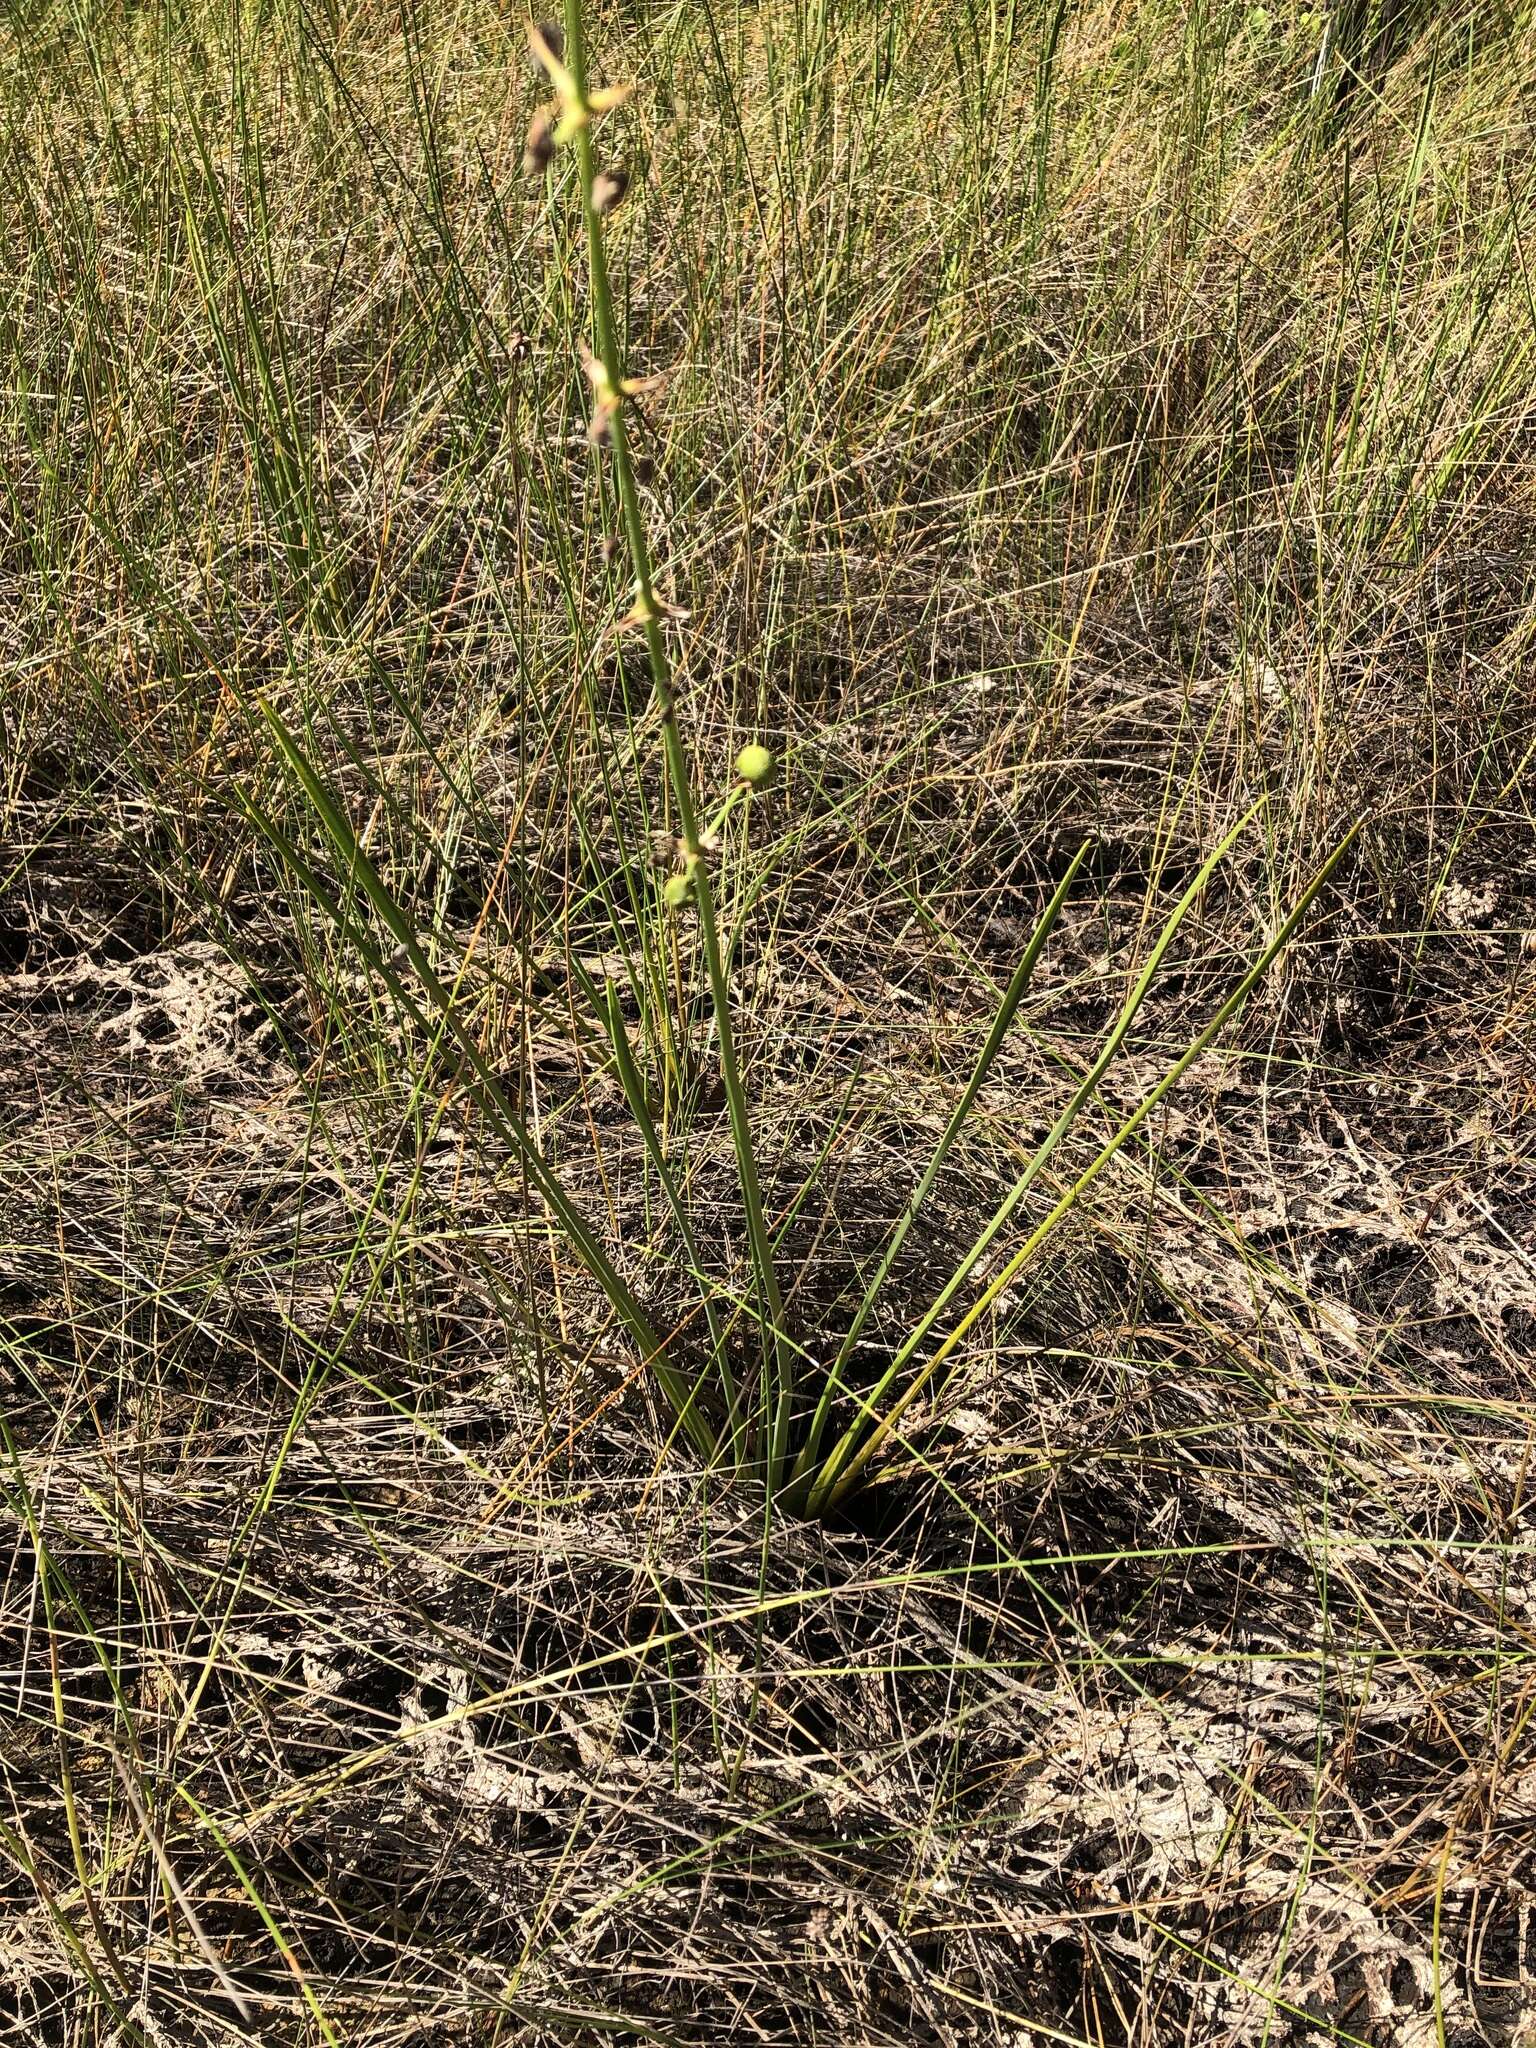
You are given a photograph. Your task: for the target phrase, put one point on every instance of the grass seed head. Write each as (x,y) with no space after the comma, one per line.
(608,189)
(540,146)
(754,764)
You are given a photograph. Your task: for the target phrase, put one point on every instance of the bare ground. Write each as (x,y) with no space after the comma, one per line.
(1185,1698)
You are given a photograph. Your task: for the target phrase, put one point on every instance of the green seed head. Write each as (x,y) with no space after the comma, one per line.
(754,765)
(678,891)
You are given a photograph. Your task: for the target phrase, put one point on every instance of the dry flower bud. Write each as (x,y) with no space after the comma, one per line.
(608,189)
(540,146)
(644,469)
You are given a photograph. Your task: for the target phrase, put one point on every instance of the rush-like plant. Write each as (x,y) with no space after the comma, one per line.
(750,1399)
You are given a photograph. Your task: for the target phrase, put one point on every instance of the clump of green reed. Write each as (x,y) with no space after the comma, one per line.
(798,1425)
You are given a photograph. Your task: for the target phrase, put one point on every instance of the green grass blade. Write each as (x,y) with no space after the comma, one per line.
(1047,1147)
(1007,1009)
(841,1471)
(482,1083)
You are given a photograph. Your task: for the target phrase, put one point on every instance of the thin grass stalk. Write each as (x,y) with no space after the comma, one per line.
(648,615)
(264,1913)
(179,1892)
(842,1469)
(67,1793)
(639,1109)
(1013,995)
(916,1337)
(480,1082)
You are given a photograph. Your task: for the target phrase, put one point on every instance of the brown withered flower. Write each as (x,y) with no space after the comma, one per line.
(608,189)
(540,146)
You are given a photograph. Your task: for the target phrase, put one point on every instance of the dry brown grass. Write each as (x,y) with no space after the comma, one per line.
(1175,1687)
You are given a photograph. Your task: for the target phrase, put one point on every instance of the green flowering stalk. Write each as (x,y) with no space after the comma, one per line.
(571,121)
(846,1422)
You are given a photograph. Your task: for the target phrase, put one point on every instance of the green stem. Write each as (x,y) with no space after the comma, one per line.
(475,1074)
(841,1472)
(916,1337)
(1013,995)
(779,1368)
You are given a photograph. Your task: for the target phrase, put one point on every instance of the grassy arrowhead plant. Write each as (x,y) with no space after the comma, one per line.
(807,1431)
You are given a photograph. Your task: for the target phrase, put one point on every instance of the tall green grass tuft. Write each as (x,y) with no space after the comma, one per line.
(753,1397)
